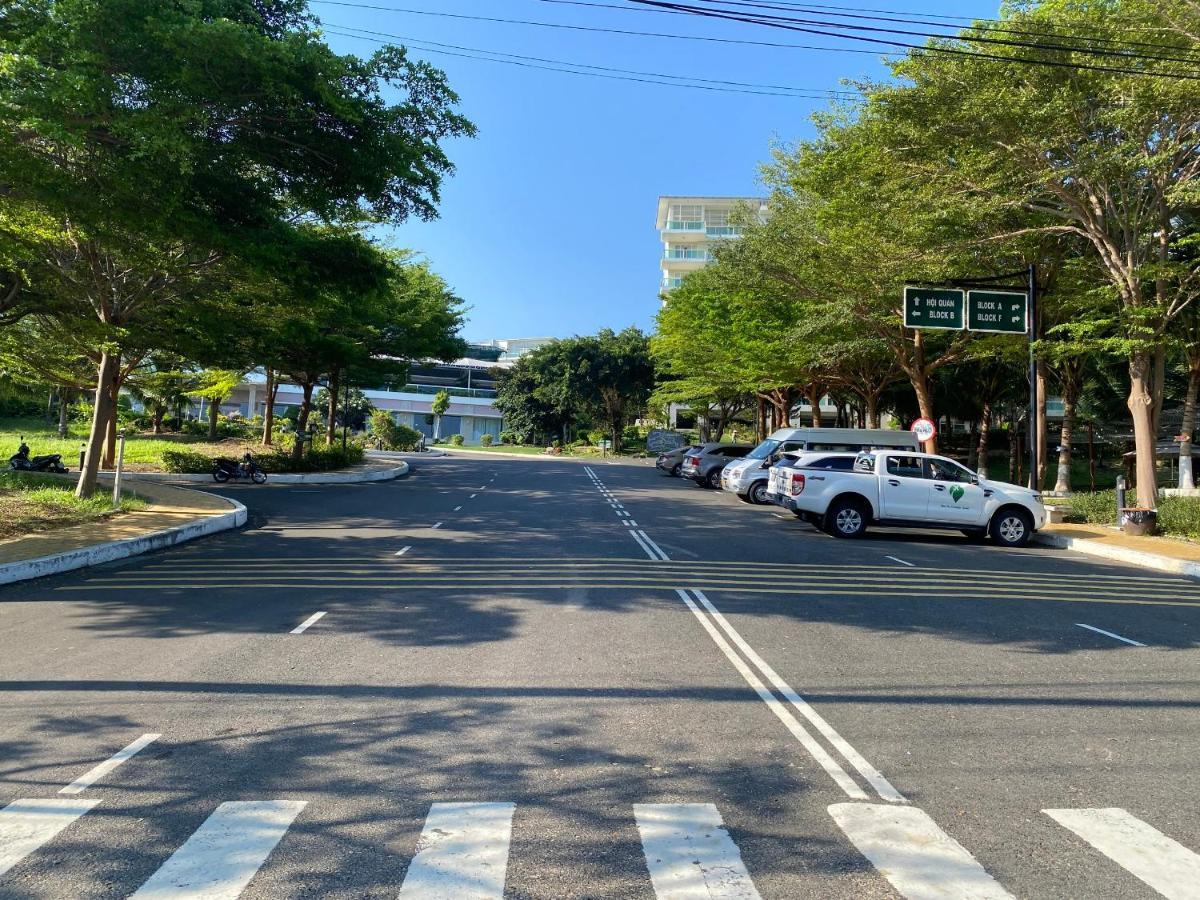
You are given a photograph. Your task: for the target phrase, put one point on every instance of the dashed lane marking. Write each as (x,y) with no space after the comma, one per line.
(1117,637)
(308,623)
(87,779)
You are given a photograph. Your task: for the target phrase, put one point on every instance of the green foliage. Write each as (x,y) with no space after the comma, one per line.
(456,440)
(485,440)
(509,436)
(1099,508)
(441,403)
(392,436)
(315,459)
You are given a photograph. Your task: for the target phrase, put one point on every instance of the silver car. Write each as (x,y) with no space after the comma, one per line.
(671,461)
(704,464)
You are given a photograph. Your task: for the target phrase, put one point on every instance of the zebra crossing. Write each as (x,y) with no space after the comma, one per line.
(689,852)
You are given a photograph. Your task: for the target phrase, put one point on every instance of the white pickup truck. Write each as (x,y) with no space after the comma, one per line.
(898,488)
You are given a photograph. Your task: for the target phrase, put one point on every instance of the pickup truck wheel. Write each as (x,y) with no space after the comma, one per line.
(758,494)
(1011,527)
(846,519)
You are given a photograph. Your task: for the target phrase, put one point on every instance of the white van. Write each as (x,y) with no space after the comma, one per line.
(748,476)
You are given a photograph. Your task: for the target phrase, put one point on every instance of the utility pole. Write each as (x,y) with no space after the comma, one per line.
(1033,379)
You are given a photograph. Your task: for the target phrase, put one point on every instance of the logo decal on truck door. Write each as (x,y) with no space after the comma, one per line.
(957,491)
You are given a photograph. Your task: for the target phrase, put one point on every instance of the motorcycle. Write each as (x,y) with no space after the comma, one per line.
(226,469)
(21,462)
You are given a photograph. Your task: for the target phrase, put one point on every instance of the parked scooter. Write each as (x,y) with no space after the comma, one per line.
(21,461)
(226,469)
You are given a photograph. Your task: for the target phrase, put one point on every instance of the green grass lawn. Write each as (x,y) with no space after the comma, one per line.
(140,450)
(31,503)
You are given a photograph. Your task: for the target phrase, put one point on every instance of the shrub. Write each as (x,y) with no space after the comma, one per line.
(315,459)
(383,429)
(485,440)
(456,440)
(1099,508)
(509,437)
(408,438)
(595,436)
(186,461)
(1179,515)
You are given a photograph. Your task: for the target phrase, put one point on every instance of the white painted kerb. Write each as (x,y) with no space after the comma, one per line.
(96,554)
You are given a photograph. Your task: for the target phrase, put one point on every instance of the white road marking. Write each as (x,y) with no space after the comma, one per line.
(902,562)
(790,722)
(473,496)
(1110,634)
(311,620)
(457,508)
(1145,852)
(403,550)
(630,522)
(908,848)
(223,854)
(27,824)
(650,553)
(436,525)
(87,779)
(873,776)
(462,853)
(653,546)
(689,853)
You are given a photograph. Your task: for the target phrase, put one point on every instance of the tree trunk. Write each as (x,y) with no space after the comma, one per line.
(814,400)
(269,408)
(973,447)
(335,383)
(214,410)
(1092,457)
(1013,451)
(159,411)
(302,419)
(1159,385)
(63,410)
(1141,409)
(920,383)
(872,401)
(1062,483)
(985,428)
(102,412)
(110,432)
(1187,480)
(760,425)
(1042,429)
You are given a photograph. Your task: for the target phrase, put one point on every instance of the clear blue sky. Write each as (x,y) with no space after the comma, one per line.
(547,227)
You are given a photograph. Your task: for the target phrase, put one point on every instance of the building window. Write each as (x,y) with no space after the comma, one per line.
(686,217)
(688,253)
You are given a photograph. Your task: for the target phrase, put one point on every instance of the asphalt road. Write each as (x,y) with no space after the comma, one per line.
(539,678)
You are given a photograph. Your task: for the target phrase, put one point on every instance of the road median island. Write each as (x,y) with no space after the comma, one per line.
(1162,554)
(372,470)
(171,516)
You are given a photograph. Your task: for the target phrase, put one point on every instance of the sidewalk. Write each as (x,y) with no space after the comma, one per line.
(173,515)
(1162,554)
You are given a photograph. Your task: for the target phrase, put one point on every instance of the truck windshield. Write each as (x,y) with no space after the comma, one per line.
(763,450)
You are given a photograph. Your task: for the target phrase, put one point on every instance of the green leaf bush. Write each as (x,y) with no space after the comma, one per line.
(485,440)
(315,459)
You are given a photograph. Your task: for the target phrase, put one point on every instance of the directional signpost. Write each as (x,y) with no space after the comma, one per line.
(1005,312)
(983,309)
(933,308)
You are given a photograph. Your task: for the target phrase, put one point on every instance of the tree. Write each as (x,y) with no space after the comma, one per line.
(214,385)
(441,403)
(1106,156)
(614,374)
(143,167)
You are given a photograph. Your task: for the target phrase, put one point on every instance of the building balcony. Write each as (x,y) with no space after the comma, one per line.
(687,253)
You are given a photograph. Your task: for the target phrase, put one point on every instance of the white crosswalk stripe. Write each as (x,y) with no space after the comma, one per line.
(689,853)
(223,854)
(1145,852)
(27,824)
(908,848)
(462,853)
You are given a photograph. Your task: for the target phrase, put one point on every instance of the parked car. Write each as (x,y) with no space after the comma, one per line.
(917,490)
(704,464)
(671,462)
(748,477)
(777,484)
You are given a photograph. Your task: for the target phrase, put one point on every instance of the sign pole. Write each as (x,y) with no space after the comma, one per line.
(1033,380)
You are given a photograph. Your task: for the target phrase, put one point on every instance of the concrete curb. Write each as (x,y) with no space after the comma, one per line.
(281,477)
(82,557)
(1154,561)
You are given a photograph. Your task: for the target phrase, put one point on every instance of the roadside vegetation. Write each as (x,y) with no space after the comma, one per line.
(1177,516)
(31,503)
(962,167)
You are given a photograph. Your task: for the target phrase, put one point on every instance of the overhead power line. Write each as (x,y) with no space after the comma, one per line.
(988,26)
(609,72)
(821,28)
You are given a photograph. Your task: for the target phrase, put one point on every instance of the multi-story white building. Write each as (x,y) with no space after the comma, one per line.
(691,226)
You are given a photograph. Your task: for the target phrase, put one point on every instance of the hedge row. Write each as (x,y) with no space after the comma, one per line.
(315,459)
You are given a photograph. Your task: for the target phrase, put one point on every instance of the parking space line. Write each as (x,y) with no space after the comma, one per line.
(436,525)
(902,562)
(1116,637)
(457,508)
(403,550)
(87,779)
(307,623)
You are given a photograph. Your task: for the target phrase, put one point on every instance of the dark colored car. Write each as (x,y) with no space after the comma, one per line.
(672,461)
(703,464)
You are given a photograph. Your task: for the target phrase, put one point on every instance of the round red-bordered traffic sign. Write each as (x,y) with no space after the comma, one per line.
(924,429)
